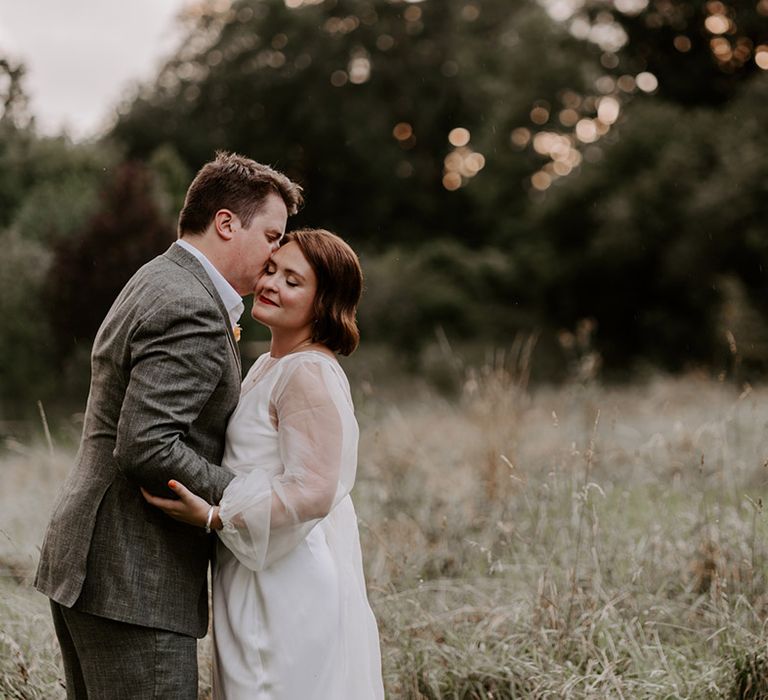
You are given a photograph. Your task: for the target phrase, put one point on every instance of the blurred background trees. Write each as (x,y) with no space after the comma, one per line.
(501,167)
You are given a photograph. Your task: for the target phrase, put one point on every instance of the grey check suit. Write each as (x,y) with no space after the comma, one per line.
(165,377)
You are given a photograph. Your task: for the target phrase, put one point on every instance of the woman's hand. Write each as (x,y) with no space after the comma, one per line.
(189,508)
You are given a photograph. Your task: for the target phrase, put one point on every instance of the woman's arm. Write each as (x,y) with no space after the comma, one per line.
(262,518)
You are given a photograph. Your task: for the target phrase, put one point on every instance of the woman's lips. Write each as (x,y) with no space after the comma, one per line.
(264,300)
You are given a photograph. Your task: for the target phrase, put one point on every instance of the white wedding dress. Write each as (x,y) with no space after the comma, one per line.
(291,616)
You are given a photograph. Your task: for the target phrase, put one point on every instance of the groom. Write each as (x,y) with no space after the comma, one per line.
(127,584)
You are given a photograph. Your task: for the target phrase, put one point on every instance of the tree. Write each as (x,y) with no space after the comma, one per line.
(360,101)
(643,239)
(13,98)
(700,52)
(89,270)
(589,154)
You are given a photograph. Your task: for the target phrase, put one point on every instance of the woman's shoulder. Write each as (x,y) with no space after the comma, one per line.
(310,367)
(310,356)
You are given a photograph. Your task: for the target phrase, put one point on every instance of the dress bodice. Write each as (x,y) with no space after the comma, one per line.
(291,615)
(251,433)
(292,443)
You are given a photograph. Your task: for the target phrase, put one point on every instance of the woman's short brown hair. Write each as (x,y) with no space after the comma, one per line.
(339,286)
(237,183)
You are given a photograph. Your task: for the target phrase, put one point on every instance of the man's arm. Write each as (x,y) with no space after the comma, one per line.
(177,361)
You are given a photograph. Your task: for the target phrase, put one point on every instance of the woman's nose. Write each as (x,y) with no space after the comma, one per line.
(267,283)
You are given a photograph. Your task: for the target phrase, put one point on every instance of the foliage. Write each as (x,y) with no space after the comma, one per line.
(13,99)
(43,172)
(501,167)
(700,52)
(126,231)
(412,294)
(579,542)
(26,347)
(638,237)
(356,99)
(171,179)
(641,240)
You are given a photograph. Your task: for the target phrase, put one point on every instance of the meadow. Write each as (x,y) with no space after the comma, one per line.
(580,541)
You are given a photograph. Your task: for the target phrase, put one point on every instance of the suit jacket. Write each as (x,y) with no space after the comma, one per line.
(165,378)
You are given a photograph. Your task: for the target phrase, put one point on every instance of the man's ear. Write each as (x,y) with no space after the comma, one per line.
(225,222)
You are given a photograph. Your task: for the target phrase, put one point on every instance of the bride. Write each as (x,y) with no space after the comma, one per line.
(291,617)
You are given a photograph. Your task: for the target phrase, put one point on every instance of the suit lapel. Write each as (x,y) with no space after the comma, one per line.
(190,263)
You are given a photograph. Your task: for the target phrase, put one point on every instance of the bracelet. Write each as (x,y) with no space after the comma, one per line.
(208,520)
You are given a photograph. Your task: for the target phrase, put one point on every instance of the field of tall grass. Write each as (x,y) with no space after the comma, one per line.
(584,541)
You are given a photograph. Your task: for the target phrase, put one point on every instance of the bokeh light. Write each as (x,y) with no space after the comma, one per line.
(559,10)
(339,78)
(384,42)
(646,81)
(630,7)
(571,99)
(761,56)
(608,110)
(295,4)
(605,84)
(359,70)
(402,131)
(544,142)
(586,131)
(539,115)
(474,163)
(459,136)
(520,137)
(626,83)
(412,14)
(682,43)
(461,164)
(721,48)
(568,117)
(717,24)
(451,181)
(470,12)
(579,28)
(608,34)
(541,180)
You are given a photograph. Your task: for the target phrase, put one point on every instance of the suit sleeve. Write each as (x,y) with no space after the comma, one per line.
(176,363)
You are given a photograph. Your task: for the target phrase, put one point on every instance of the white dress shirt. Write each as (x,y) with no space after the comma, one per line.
(233,302)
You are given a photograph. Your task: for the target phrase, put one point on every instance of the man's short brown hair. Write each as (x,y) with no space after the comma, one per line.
(237,183)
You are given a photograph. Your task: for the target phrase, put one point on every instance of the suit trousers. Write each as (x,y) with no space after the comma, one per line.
(111,660)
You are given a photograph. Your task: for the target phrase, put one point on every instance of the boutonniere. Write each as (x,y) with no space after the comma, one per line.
(236,332)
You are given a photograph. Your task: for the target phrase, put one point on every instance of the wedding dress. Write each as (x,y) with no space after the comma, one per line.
(291,616)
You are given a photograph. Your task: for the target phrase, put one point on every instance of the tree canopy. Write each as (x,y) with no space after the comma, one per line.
(501,167)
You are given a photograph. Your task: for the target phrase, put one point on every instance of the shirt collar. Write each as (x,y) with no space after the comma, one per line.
(230,298)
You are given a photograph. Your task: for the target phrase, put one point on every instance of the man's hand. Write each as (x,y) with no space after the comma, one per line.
(189,508)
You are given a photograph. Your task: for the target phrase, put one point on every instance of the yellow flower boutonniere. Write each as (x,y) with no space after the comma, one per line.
(236,332)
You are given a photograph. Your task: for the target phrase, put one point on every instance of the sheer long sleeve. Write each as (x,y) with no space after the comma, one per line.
(266,514)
